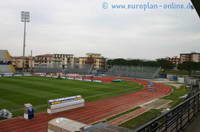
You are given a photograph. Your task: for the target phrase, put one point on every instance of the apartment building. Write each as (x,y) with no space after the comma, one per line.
(54,60)
(194,57)
(62,60)
(184,57)
(174,60)
(58,61)
(28,63)
(44,60)
(95,59)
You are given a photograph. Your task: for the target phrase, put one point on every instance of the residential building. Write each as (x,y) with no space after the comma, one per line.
(174,60)
(194,57)
(54,60)
(82,60)
(59,61)
(184,57)
(28,63)
(43,60)
(93,55)
(98,61)
(62,60)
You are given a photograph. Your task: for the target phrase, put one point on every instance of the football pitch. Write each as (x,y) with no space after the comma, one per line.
(16,91)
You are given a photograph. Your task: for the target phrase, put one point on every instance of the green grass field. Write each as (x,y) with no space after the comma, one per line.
(141,119)
(16,91)
(176,94)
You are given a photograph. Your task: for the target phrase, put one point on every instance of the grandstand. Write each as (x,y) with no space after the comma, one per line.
(71,68)
(134,71)
(44,68)
(79,69)
(5,62)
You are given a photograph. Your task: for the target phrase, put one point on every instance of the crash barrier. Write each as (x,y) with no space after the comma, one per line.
(63,104)
(176,119)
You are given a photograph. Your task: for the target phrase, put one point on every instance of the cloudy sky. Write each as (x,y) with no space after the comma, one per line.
(81,26)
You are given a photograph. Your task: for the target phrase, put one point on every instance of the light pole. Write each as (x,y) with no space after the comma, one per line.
(25,17)
(31,61)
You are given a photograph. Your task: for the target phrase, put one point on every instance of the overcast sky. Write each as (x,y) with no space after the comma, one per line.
(81,26)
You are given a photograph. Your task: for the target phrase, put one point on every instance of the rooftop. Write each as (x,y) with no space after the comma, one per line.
(45,55)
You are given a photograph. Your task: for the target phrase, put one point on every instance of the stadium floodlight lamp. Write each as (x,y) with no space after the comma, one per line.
(25,17)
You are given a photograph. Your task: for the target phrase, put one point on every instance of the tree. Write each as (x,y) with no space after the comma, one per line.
(119,61)
(189,66)
(165,64)
(132,62)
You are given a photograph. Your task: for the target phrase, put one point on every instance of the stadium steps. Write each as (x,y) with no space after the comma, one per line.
(5,65)
(1,54)
(5,56)
(79,69)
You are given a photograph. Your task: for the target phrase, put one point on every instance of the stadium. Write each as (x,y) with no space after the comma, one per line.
(116,100)
(79,98)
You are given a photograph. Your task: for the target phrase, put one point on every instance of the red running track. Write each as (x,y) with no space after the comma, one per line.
(92,112)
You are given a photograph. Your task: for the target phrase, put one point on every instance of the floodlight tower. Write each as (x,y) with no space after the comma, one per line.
(25,17)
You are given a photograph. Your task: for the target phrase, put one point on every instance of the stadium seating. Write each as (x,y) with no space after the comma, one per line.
(75,68)
(79,69)
(134,71)
(5,56)
(5,62)
(6,69)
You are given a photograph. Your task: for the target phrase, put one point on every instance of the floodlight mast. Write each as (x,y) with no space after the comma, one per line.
(25,17)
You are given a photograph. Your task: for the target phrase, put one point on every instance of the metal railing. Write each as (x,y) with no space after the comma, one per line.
(176,119)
